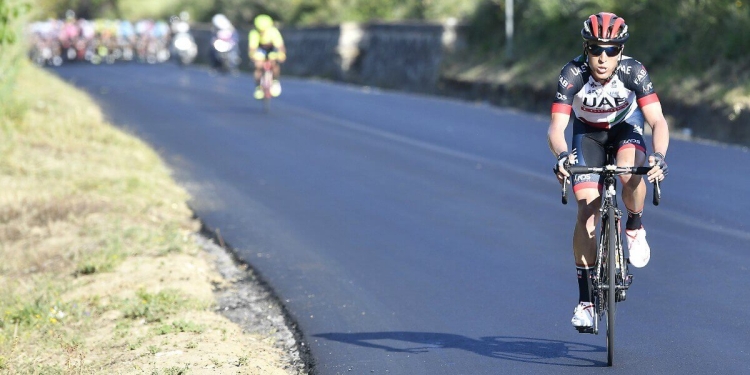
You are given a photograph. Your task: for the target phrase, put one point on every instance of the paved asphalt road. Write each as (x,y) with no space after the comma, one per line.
(418,235)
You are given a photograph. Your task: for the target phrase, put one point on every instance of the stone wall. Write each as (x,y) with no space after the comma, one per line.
(403,56)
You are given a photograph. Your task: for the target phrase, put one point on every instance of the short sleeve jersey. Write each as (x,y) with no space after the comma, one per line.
(603,106)
(271,38)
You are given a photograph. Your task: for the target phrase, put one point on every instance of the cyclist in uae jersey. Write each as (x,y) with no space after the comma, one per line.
(609,96)
(265,43)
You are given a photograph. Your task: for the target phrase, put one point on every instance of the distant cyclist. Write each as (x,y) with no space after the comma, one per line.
(265,43)
(610,96)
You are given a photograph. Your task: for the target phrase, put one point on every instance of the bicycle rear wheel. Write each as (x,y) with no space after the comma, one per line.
(611,291)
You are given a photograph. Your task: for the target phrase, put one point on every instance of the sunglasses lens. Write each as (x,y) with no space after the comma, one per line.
(610,51)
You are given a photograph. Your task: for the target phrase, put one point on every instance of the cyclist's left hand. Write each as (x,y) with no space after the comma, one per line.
(562,165)
(659,168)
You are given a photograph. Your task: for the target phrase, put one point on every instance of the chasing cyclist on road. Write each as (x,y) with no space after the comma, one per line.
(609,95)
(265,43)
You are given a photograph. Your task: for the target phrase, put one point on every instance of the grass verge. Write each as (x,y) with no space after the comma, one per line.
(100,273)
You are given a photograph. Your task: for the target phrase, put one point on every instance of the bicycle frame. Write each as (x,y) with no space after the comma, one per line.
(611,278)
(266,80)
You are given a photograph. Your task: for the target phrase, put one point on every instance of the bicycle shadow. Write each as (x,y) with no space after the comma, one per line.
(511,348)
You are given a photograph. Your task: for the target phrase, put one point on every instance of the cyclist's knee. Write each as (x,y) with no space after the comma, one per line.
(588,205)
(631,180)
(587,213)
(630,157)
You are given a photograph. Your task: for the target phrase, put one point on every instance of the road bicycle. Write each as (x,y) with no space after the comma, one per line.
(266,82)
(611,278)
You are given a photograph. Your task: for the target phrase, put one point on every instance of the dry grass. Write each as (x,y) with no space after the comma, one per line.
(99,272)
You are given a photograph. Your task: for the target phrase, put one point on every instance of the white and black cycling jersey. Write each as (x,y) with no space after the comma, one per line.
(603,106)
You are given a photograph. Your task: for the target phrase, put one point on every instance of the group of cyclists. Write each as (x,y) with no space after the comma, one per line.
(54,42)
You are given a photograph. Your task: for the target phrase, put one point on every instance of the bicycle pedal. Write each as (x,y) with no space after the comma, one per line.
(585,329)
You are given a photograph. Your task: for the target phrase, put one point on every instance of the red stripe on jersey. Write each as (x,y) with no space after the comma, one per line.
(648,99)
(600,125)
(561,108)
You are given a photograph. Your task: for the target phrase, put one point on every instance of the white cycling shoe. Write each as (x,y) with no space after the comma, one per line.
(275,88)
(638,249)
(583,315)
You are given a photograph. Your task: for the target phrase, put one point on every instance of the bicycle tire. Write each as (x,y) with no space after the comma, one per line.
(611,294)
(267,82)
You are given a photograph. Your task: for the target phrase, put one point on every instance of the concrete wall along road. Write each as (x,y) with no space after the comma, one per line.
(403,56)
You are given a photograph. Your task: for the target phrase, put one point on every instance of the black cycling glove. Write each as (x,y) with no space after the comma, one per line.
(659,161)
(562,161)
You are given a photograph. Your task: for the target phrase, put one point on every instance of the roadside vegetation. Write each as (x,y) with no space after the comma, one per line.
(100,272)
(697,51)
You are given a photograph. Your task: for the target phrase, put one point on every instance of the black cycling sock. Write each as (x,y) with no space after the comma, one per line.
(634,220)
(585,289)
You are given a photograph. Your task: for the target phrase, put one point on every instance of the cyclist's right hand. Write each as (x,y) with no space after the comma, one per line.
(258,56)
(561,167)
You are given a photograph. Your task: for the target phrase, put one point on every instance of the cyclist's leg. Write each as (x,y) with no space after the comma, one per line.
(258,71)
(584,234)
(275,70)
(588,146)
(631,151)
(261,55)
(589,151)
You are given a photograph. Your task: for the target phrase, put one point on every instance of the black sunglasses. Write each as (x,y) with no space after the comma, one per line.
(597,50)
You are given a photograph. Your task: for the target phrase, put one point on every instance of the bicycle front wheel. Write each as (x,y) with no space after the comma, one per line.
(611,291)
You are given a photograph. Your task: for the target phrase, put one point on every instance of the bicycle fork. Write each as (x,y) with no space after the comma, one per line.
(623,277)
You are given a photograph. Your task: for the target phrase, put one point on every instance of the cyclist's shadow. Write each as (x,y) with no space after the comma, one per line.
(513,348)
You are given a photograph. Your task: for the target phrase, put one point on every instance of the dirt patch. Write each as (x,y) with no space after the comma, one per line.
(234,324)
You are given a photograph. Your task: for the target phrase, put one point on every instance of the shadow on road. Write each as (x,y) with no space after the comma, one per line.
(521,349)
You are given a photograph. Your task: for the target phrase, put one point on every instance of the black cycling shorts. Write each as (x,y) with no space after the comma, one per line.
(591,144)
(267,49)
